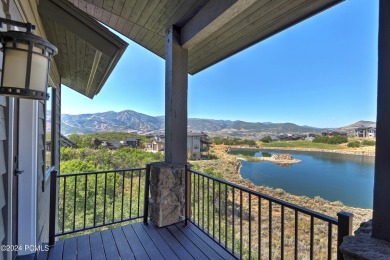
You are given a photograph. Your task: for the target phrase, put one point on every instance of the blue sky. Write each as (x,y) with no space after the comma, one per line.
(321,72)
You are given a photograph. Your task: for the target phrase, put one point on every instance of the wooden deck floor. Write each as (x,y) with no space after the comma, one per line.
(139,241)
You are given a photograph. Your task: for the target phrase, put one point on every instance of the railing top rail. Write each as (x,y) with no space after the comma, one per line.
(275,200)
(97,172)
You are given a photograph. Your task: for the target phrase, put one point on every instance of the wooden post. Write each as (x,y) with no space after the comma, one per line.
(345,220)
(176,91)
(381,211)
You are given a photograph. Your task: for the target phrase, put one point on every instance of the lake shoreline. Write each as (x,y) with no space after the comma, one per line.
(230,169)
(300,149)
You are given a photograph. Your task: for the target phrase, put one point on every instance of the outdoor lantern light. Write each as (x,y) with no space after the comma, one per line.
(26,62)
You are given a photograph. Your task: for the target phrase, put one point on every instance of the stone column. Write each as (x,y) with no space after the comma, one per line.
(364,246)
(167,189)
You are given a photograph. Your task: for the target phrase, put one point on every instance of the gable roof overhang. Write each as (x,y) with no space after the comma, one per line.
(211,30)
(88,52)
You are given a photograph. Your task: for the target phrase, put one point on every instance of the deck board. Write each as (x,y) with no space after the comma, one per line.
(162,246)
(121,242)
(70,249)
(134,242)
(201,244)
(83,242)
(109,245)
(97,249)
(187,244)
(139,241)
(147,243)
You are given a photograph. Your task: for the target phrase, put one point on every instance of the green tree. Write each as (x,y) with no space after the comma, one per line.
(266,139)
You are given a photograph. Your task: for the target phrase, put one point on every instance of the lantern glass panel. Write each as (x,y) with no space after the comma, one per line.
(39,72)
(15,66)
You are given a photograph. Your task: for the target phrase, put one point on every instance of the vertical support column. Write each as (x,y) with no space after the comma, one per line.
(176,91)
(381,213)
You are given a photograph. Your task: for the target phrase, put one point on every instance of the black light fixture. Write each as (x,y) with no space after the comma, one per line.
(26,62)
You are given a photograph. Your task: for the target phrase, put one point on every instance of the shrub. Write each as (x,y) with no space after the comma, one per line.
(338,139)
(354,144)
(266,139)
(368,142)
(321,139)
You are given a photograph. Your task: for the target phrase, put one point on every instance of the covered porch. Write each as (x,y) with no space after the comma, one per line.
(194,215)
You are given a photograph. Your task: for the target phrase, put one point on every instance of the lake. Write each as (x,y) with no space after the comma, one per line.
(332,176)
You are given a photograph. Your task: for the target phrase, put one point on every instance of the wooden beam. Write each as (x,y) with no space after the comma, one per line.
(381,212)
(82,25)
(210,18)
(176,91)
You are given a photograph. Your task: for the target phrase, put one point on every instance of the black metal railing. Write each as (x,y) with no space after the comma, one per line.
(96,199)
(251,225)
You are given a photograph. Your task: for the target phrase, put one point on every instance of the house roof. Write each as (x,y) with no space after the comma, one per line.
(210,30)
(88,52)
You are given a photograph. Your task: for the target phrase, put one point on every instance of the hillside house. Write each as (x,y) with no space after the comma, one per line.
(132,142)
(191,36)
(365,132)
(64,143)
(332,133)
(196,144)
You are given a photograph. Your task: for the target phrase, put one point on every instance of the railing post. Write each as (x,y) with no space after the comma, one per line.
(53,207)
(345,220)
(187,194)
(146,196)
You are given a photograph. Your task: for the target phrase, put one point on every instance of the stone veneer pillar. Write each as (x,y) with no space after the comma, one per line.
(167,189)
(363,246)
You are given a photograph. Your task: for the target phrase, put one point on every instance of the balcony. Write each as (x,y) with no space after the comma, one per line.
(222,220)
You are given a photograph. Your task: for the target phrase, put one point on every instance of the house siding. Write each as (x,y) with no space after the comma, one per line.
(3,169)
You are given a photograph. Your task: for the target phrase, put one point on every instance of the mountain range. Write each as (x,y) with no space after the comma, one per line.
(131,121)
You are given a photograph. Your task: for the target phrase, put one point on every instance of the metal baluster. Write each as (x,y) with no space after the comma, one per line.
(259,228)
(105,195)
(131,193)
(250,226)
(198,222)
(282,233)
(94,208)
(219,211)
(85,198)
(139,191)
(329,240)
(74,203)
(270,230)
(311,236)
(233,208)
(226,216)
(63,204)
(296,235)
(123,193)
(213,209)
(113,195)
(240,223)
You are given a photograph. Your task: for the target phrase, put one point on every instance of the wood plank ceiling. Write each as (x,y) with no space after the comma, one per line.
(145,22)
(88,52)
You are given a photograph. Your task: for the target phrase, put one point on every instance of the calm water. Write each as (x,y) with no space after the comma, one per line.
(347,178)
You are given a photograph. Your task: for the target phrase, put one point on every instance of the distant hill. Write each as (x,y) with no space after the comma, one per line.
(131,121)
(361,123)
